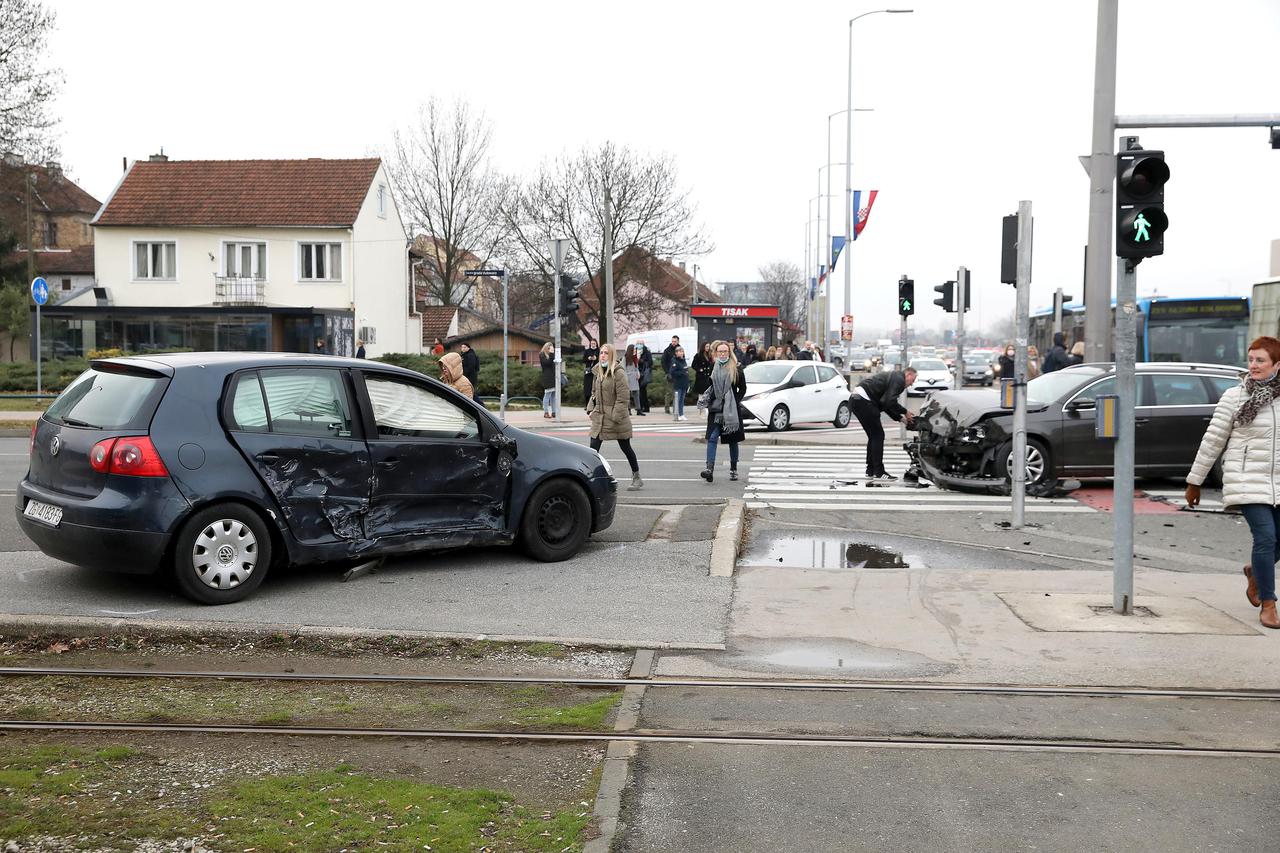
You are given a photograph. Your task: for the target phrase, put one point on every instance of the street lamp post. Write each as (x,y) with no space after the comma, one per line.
(848,169)
(825,295)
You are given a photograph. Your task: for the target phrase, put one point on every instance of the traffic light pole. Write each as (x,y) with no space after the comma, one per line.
(1097,285)
(960,297)
(557,259)
(1127,391)
(506,345)
(1022,312)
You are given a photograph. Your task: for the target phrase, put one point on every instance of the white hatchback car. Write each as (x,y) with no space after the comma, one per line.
(932,374)
(781,393)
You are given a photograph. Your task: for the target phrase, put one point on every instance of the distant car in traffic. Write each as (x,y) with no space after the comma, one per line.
(965,440)
(978,370)
(785,392)
(932,374)
(215,467)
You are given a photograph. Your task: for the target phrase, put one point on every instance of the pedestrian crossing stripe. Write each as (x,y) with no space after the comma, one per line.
(915,507)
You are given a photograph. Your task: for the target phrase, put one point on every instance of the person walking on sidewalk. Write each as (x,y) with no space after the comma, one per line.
(879,393)
(668,354)
(590,358)
(679,376)
(608,410)
(1243,431)
(724,421)
(644,359)
(547,358)
(702,364)
(632,371)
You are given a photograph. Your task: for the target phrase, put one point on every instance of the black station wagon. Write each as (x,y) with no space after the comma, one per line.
(217,466)
(965,440)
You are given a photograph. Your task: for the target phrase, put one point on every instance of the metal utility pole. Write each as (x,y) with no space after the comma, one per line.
(28,179)
(606,315)
(1022,311)
(1057,311)
(962,275)
(1127,392)
(506,346)
(1097,285)
(557,258)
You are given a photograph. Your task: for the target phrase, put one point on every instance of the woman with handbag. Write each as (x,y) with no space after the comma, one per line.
(607,407)
(724,412)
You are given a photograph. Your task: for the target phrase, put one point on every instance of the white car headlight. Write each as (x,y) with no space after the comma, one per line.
(608,469)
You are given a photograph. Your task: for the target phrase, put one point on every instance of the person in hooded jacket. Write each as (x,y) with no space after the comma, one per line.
(451,374)
(1056,358)
(1243,431)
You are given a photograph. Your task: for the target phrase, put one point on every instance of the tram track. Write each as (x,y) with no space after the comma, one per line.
(649,736)
(648,682)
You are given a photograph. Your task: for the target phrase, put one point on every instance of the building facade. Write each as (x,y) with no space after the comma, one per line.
(245,255)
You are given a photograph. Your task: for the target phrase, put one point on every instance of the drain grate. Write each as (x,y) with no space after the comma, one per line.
(1142,612)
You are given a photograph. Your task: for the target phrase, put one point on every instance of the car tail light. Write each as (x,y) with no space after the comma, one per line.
(134,456)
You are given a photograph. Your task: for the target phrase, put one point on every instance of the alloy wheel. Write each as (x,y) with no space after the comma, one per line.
(1035,463)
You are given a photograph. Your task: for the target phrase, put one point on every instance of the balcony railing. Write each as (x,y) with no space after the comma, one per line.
(235,290)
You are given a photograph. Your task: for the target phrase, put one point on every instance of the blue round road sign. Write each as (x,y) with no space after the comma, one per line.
(39,290)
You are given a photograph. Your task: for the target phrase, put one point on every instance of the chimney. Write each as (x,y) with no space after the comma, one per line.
(54,170)
(159,158)
(12,158)
(682,266)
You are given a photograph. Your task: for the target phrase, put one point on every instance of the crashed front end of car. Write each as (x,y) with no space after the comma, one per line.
(956,441)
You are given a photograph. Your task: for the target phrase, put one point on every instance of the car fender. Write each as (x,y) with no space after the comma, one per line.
(541,458)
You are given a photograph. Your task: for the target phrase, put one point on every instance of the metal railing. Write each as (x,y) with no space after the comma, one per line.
(238,290)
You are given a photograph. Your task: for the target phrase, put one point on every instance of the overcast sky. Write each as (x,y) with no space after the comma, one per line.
(976,106)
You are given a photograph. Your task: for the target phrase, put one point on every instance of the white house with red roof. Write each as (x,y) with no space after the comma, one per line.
(246,255)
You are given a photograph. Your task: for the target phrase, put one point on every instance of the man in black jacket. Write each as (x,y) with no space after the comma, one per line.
(1056,358)
(667,355)
(875,394)
(471,368)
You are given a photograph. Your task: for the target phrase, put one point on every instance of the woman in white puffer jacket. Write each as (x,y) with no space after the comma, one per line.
(1245,424)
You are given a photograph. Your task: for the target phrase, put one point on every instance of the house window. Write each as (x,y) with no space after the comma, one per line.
(51,234)
(66,284)
(155,260)
(382,200)
(244,260)
(320,261)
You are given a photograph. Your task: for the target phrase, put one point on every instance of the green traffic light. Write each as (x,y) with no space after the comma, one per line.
(906,305)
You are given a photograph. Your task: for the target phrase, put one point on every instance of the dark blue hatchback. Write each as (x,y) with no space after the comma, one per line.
(216,466)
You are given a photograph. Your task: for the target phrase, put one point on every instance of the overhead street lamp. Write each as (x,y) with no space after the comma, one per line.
(848,157)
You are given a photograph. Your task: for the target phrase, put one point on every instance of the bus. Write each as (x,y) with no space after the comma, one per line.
(1206,330)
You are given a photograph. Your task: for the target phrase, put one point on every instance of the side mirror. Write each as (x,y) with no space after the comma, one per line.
(1081,406)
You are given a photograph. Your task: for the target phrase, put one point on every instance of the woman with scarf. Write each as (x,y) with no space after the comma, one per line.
(722,398)
(1244,426)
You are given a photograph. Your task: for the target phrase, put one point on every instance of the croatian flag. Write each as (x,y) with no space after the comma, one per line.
(822,275)
(862,214)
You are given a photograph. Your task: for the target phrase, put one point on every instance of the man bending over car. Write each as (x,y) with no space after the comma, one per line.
(878,393)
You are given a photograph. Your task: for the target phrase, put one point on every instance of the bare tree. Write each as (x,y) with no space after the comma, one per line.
(27,86)
(783,285)
(440,171)
(650,212)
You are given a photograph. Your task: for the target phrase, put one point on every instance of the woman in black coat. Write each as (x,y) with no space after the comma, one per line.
(702,364)
(1006,362)
(547,360)
(724,409)
(471,368)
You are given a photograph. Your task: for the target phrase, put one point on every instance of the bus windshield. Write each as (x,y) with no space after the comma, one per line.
(1208,341)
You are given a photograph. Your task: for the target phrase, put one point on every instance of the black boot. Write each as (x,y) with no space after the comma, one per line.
(708,475)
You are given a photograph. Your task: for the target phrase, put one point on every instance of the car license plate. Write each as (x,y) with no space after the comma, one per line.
(49,514)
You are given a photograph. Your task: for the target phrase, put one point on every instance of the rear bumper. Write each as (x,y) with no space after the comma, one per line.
(117,531)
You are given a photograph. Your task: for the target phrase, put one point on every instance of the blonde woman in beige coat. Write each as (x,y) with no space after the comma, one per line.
(609,409)
(1244,431)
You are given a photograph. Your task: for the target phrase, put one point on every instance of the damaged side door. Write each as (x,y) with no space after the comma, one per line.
(435,470)
(295,427)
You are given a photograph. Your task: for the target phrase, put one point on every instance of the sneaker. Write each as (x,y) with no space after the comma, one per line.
(636,483)
(681,418)
(707,475)
(885,477)
(733,473)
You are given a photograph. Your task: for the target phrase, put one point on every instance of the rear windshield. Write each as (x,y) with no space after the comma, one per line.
(764,373)
(928,364)
(108,400)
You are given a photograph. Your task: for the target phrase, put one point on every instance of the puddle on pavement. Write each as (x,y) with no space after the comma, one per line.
(826,553)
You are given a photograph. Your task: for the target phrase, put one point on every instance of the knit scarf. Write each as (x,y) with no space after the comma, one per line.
(722,389)
(1260,395)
